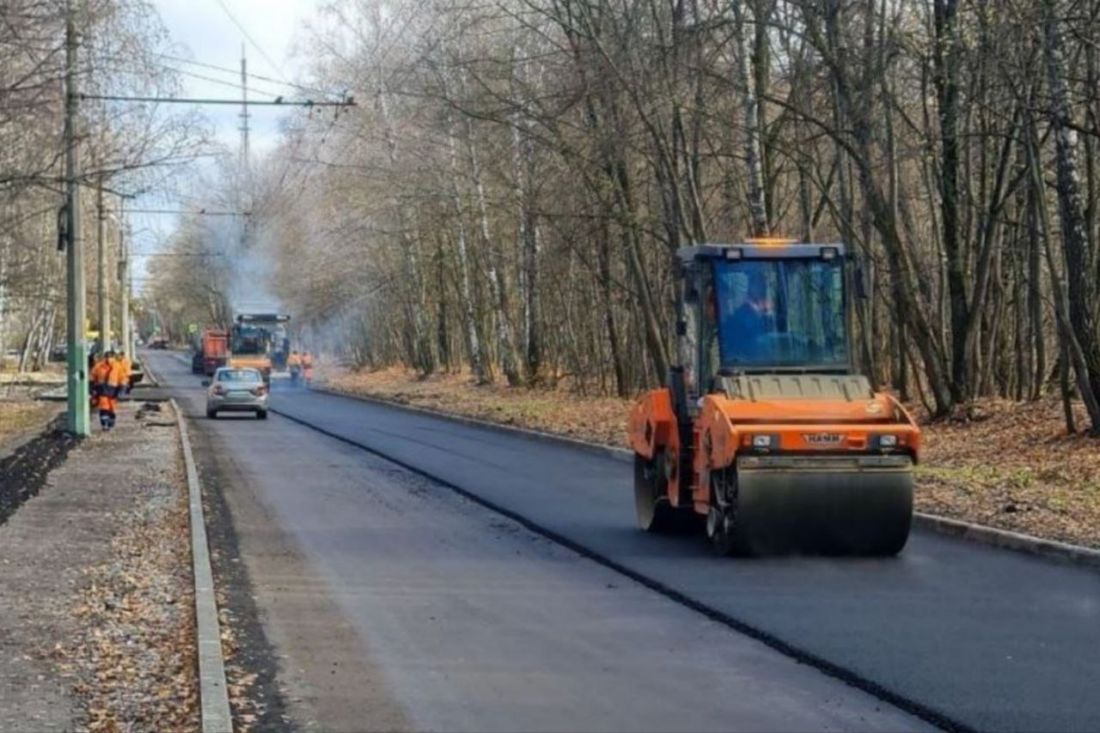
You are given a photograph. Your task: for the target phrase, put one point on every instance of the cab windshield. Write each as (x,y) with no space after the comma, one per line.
(781,313)
(250,340)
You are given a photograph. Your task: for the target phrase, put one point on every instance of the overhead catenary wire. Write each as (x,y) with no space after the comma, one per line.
(248,37)
(213,80)
(277,102)
(198,212)
(177,254)
(236,72)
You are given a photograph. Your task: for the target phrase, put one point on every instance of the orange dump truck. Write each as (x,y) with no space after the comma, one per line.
(215,350)
(765,429)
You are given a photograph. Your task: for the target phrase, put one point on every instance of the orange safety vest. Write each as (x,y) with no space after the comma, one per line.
(99,377)
(119,375)
(100,370)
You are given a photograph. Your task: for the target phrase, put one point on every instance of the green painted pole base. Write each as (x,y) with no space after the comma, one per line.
(79,416)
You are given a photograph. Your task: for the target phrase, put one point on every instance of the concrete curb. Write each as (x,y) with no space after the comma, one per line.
(156,377)
(213,693)
(1009,540)
(151,379)
(979,533)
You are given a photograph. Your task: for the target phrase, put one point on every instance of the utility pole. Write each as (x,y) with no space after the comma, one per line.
(77,376)
(245,176)
(125,329)
(103,300)
(244,111)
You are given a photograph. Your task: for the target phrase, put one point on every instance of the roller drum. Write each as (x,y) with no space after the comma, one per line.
(850,506)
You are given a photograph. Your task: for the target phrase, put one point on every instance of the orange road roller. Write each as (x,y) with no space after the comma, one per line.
(765,430)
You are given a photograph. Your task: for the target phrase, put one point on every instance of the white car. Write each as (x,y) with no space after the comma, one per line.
(236,389)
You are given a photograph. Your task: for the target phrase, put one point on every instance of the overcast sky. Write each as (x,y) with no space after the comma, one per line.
(203,31)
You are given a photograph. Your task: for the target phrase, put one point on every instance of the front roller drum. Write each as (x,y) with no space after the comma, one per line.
(857,506)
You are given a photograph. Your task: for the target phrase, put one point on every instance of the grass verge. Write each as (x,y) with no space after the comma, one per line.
(23,416)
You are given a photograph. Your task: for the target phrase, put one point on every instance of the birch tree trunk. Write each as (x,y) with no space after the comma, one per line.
(1080,286)
(478,362)
(1071,348)
(423,356)
(758,205)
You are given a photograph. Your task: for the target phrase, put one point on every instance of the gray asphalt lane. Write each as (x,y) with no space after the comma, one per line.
(990,638)
(479,624)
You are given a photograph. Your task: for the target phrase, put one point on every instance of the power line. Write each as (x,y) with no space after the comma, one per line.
(200,212)
(177,254)
(248,37)
(277,102)
(227,70)
(211,79)
(214,80)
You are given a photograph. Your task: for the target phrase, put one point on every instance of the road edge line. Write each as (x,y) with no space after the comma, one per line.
(213,691)
(981,534)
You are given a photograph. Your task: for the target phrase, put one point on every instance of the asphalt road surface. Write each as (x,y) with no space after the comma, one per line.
(467,620)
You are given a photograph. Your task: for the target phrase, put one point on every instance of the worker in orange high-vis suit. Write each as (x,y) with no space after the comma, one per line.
(97,381)
(116,384)
(128,370)
(307,367)
(294,364)
(100,377)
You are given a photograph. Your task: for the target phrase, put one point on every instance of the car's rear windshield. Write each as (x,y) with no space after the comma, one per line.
(239,375)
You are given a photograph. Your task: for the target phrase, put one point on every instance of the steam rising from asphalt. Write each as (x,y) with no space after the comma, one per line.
(284,260)
(253,267)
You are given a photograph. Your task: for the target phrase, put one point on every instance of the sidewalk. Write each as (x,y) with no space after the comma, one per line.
(96,608)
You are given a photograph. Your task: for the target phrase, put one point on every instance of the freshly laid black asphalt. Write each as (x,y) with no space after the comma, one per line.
(388,602)
(987,638)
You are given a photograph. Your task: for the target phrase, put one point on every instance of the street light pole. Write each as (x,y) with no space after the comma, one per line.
(77,376)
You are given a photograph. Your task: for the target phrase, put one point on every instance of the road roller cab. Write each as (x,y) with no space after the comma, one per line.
(764,428)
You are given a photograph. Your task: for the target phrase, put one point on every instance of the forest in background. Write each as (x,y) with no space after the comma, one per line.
(124,149)
(508,194)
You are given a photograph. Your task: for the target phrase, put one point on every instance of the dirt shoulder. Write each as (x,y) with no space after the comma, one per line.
(23,417)
(96,618)
(1013,468)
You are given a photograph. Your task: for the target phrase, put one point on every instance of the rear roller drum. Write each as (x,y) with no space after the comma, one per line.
(651,505)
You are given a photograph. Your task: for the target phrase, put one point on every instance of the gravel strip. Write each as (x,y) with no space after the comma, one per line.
(96,622)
